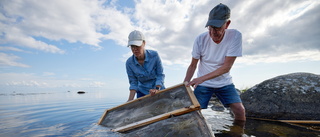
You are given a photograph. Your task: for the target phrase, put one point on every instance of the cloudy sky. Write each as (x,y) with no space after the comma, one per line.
(59,45)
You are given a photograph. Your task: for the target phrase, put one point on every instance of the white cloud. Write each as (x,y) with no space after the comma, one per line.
(273,32)
(117,23)
(54,20)
(10,60)
(274,28)
(171,26)
(48,74)
(71,85)
(26,41)
(286,57)
(10,49)
(33,80)
(268,27)
(30,83)
(271,29)
(22,80)
(97,84)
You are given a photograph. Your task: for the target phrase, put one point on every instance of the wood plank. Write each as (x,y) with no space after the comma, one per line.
(290,121)
(190,124)
(314,128)
(154,119)
(192,96)
(301,121)
(103,117)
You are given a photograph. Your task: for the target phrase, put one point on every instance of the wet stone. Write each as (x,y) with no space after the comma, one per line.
(294,96)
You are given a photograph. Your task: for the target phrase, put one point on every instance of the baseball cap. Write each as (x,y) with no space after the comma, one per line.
(218,15)
(135,38)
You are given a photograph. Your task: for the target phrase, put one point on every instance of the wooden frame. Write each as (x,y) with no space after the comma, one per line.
(191,124)
(173,101)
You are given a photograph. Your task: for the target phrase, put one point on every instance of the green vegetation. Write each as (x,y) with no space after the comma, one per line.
(244,90)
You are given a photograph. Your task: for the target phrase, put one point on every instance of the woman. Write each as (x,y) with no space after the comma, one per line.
(144,68)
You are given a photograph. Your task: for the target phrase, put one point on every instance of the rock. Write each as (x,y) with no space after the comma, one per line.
(216,104)
(293,96)
(81,92)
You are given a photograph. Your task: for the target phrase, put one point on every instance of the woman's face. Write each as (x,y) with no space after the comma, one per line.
(138,51)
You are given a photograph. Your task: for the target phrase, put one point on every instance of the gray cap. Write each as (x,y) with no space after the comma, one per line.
(218,15)
(135,38)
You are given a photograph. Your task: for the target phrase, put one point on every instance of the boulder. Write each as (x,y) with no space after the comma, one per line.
(294,96)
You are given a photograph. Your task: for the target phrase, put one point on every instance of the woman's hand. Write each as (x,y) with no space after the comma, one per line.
(153,91)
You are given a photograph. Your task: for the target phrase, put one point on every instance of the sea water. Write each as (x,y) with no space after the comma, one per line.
(54,114)
(73,114)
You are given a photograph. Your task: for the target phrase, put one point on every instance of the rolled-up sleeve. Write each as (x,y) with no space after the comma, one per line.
(159,71)
(133,81)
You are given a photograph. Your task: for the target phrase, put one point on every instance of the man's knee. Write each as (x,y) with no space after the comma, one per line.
(238,110)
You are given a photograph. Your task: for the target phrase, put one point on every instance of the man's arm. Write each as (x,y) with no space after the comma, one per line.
(191,69)
(225,68)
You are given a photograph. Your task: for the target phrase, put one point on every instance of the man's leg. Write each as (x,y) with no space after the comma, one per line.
(239,111)
(237,128)
(229,97)
(203,95)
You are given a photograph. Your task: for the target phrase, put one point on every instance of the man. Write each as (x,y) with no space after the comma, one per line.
(144,68)
(217,50)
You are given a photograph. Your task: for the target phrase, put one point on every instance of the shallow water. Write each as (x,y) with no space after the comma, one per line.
(72,114)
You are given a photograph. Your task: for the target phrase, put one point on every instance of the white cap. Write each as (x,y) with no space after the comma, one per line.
(135,38)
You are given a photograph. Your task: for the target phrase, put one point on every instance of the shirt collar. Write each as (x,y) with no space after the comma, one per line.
(146,59)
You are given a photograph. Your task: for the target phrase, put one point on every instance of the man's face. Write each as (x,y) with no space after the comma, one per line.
(216,33)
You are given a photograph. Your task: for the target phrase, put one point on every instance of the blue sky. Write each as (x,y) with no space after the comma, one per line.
(73,45)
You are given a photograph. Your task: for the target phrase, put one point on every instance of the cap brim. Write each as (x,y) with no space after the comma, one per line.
(136,43)
(216,23)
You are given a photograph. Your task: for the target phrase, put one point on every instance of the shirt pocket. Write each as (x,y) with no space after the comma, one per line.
(145,77)
(153,73)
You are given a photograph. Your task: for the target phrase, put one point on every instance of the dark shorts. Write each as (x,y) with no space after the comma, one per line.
(227,95)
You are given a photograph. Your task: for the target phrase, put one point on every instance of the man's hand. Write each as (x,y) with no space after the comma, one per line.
(195,82)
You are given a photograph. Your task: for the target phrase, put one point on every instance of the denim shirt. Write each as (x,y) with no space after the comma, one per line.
(146,77)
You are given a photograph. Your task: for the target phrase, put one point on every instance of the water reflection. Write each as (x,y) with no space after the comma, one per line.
(235,130)
(223,125)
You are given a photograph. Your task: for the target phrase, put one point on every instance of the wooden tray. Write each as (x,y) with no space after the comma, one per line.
(173,101)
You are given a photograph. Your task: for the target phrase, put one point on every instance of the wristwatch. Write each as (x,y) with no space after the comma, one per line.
(158,88)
